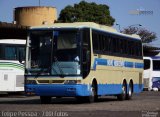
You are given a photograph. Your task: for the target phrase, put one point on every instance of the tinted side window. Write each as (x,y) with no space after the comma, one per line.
(156,65)
(95,42)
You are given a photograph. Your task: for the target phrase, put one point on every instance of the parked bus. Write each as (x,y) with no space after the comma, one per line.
(11,71)
(151,74)
(83,60)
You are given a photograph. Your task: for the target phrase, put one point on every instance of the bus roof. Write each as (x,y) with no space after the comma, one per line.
(12,41)
(85,25)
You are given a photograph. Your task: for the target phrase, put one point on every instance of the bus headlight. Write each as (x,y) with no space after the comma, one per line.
(30,82)
(72,82)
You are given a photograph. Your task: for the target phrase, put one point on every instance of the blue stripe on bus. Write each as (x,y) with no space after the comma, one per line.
(139,65)
(77,90)
(116,63)
(113,89)
(129,64)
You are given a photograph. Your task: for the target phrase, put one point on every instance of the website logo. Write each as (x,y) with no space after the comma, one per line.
(141,11)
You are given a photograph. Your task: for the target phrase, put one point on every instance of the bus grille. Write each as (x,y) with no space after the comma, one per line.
(20,81)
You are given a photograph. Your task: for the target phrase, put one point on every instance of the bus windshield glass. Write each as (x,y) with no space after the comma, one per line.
(11,51)
(40,52)
(54,52)
(66,53)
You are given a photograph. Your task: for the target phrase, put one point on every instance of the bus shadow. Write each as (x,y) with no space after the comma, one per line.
(19,102)
(107,99)
(74,100)
(36,100)
(16,98)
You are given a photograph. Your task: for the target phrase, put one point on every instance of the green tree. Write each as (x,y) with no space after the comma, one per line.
(146,35)
(87,12)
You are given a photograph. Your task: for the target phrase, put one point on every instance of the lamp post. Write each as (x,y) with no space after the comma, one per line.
(132,29)
(119,27)
(135,25)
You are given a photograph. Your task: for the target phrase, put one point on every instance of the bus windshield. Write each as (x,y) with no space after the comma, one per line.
(11,51)
(54,52)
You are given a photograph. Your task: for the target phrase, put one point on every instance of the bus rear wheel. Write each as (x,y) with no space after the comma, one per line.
(45,99)
(123,95)
(130,91)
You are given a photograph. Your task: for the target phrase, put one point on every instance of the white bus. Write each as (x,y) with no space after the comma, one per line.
(11,71)
(151,75)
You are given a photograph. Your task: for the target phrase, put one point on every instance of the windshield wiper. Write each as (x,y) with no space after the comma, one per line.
(59,67)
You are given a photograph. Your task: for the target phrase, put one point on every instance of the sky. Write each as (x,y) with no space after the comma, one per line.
(124,12)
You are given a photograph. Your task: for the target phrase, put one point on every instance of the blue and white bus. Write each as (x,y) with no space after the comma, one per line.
(83,60)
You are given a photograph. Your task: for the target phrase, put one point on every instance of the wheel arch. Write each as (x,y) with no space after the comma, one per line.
(124,81)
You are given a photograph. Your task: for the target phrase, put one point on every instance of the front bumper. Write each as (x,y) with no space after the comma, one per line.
(58,90)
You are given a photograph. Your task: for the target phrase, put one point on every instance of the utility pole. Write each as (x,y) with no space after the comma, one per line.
(39,2)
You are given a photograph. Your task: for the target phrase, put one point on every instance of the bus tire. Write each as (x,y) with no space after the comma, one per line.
(123,95)
(130,91)
(45,99)
(93,97)
(89,99)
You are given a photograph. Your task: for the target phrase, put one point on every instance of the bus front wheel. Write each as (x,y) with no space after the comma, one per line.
(92,97)
(89,99)
(123,95)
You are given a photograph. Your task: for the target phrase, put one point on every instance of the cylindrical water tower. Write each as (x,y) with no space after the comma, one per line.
(34,16)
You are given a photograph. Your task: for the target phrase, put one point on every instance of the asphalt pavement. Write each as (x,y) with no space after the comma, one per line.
(145,104)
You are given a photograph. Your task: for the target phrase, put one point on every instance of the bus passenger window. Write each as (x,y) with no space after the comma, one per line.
(95,42)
